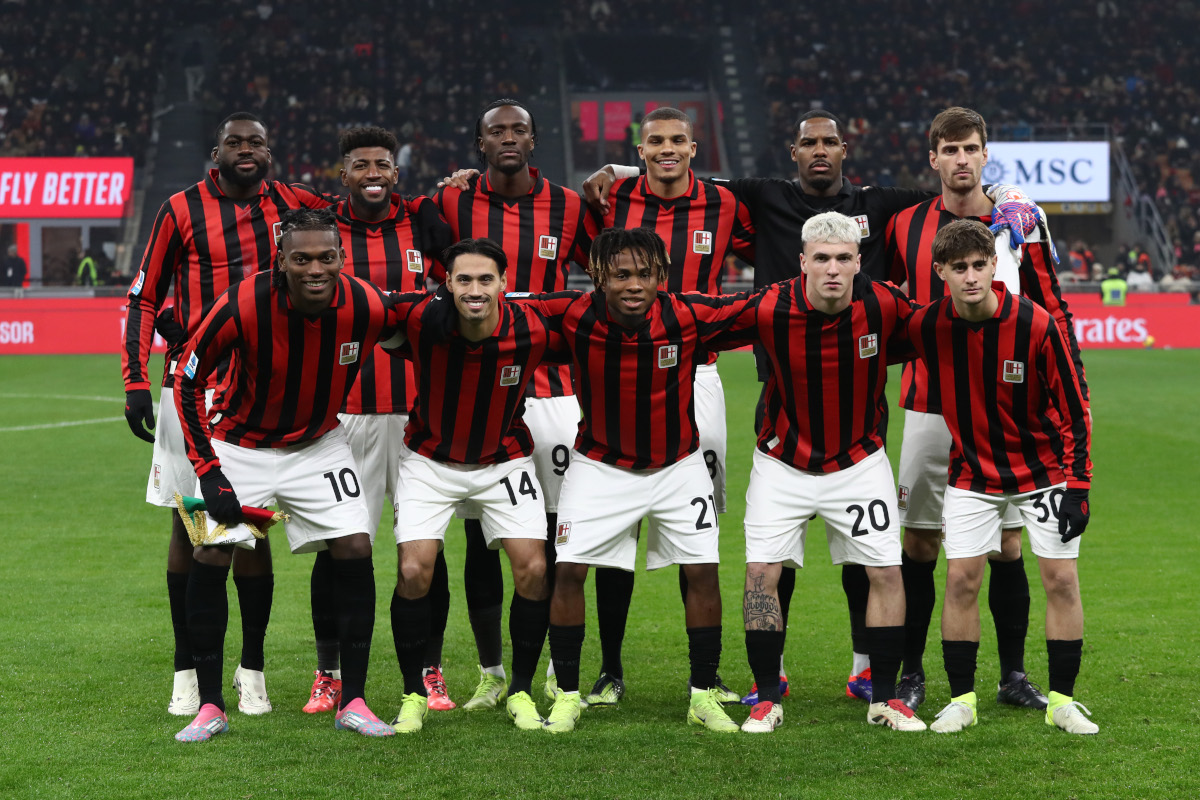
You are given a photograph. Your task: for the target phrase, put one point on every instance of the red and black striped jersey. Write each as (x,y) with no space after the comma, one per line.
(1008,391)
(910,258)
(471,395)
(824,398)
(288,373)
(699,228)
(635,385)
(395,254)
(205,242)
(540,233)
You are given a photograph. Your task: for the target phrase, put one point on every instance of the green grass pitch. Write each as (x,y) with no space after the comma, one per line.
(85,643)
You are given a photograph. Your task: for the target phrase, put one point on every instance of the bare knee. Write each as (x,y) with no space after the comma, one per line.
(415,577)
(1061,581)
(702,578)
(356,545)
(885,580)
(921,545)
(962,582)
(1010,545)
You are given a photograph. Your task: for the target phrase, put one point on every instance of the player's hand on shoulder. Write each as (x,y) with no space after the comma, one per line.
(1074,514)
(595,188)
(139,413)
(460,180)
(220,500)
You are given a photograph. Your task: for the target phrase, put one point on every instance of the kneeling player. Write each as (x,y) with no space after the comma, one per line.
(293,337)
(1020,432)
(828,337)
(465,440)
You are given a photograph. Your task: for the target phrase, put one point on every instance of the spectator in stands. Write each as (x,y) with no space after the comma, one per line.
(1140,278)
(12,273)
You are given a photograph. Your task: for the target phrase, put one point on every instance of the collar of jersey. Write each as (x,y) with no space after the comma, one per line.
(860,285)
(214,188)
(1003,308)
(692,190)
(500,330)
(485,185)
(600,303)
(346,211)
(284,301)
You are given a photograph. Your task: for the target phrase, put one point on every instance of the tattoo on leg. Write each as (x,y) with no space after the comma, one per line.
(760,608)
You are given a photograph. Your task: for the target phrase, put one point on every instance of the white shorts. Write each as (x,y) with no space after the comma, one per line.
(315,482)
(601,505)
(554,423)
(924,470)
(710,424)
(971,522)
(858,505)
(506,495)
(171,470)
(375,440)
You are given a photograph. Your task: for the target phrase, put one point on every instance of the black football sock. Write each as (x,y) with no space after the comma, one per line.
(1064,656)
(885,646)
(704,654)
(763,650)
(614,590)
(177,583)
(324,613)
(354,596)
(1008,599)
(410,634)
(857,587)
(959,657)
(255,593)
(551,550)
(527,624)
(439,611)
(919,598)
(484,583)
(566,643)
(786,587)
(208,617)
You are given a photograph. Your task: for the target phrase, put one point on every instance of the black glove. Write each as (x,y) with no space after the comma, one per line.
(172,332)
(139,409)
(1074,514)
(220,499)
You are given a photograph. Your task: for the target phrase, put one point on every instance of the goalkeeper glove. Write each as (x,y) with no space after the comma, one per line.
(1015,211)
(220,500)
(171,331)
(1074,514)
(139,409)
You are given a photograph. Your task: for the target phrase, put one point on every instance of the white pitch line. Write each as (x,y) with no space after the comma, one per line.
(70,424)
(103,398)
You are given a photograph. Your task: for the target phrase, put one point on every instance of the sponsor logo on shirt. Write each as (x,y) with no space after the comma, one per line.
(864,227)
(414,260)
(701,242)
(1014,372)
(668,356)
(563,533)
(548,247)
(348,353)
(191,366)
(868,345)
(510,375)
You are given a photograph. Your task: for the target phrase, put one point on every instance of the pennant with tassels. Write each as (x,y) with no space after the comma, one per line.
(192,512)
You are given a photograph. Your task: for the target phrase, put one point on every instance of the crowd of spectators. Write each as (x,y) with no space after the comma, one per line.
(1020,64)
(78,79)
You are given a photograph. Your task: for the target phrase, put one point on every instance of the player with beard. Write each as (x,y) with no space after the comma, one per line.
(541,227)
(393,243)
(778,210)
(205,239)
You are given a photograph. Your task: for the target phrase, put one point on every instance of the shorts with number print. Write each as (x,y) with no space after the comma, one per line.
(971,522)
(375,440)
(507,497)
(315,483)
(554,423)
(601,505)
(171,470)
(710,425)
(858,505)
(924,469)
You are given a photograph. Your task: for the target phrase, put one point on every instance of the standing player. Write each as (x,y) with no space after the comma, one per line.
(699,224)
(392,243)
(205,239)
(1002,374)
(474,353)
(541,227)
(293,339)
(779,208)
(958,151)
(635,352)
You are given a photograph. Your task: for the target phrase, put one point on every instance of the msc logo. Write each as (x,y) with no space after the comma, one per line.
(563,533)
(1014,372)
(348,354)
(701,242)
(668,356)
(510,375)
(868,345)
(548,247)
(864,227)
(415,262)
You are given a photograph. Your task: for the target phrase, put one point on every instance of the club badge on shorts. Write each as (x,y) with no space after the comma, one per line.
(1014,372)
(868,345)
(864,227)
(157,476)
(548,247)
(563,533)
(414,260)
(510,375)
(668,356)
(348,353)
(902,498)
(701,242)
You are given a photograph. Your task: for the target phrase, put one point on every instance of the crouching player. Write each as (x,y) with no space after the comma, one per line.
(294,338)
(829,336)
(1021,435)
